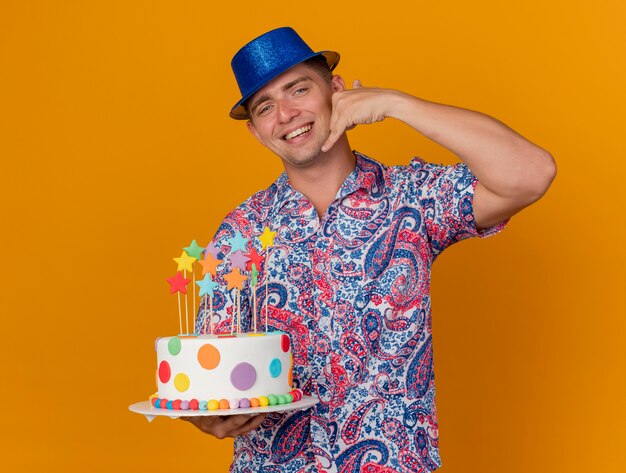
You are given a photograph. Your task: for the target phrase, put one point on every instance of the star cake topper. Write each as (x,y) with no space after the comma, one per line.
(178,283)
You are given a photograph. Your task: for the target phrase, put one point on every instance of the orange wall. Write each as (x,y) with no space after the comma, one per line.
(117,150)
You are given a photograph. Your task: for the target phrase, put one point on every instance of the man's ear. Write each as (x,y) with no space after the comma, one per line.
(337,83)
(252,129)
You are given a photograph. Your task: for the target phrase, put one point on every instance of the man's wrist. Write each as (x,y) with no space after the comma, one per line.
(401,105)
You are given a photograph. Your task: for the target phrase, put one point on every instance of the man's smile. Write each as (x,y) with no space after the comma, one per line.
(298,132)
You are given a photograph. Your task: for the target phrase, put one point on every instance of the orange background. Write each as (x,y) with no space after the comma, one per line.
(117,151)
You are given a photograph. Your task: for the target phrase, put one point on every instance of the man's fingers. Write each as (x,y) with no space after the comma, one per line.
(337,126)
(251,424)
(236,425)
(238,421)
(226,426)
(330,141)
(192,420)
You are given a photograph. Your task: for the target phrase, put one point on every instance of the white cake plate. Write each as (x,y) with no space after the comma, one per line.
(147,409)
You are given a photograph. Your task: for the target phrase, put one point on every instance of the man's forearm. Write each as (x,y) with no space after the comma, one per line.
(504,162)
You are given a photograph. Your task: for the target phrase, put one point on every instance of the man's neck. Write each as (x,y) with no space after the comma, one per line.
(321,182)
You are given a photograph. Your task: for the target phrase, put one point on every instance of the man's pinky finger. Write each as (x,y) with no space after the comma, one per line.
(330,141)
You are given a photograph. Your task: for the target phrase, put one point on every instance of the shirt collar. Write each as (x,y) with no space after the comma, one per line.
(367,175)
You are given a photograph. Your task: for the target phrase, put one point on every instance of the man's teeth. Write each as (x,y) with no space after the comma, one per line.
(298,132)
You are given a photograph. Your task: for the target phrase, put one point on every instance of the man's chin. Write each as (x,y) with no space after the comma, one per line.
(303,158)
(302,162)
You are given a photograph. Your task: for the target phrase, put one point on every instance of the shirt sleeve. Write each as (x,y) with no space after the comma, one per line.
(446,195)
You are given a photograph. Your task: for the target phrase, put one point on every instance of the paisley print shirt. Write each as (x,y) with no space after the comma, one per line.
(352,290)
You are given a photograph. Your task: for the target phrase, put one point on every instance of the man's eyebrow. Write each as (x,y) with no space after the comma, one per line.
(259,100)
(289,85)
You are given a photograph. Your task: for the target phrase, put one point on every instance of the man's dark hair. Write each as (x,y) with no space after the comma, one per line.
(321,66)
(316,62)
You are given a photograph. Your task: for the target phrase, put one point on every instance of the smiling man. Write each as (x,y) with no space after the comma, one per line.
(350,269)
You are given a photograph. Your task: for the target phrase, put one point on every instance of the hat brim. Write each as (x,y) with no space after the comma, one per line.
(238,112)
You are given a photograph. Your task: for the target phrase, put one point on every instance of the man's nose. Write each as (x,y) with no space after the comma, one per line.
(286,111)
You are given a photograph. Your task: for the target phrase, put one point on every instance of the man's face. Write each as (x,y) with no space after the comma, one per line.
(291,114)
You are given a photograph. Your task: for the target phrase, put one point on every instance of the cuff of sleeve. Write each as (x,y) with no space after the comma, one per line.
(489,231)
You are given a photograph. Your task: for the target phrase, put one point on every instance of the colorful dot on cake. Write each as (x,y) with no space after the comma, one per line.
(193,404)
(254,402)
(244,403)
(272,399)
(284,342)
(203,405)
(224,404)
(213,405)
(164,371)
(275,368)
(184,405)
(243,376)
(208,356)
(181,382)
(176,404)
(168,404)
(263,401)
(173,345)
(233,403)
(163,404)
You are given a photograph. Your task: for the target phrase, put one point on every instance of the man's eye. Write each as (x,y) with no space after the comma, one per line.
(263,110)
(300,90)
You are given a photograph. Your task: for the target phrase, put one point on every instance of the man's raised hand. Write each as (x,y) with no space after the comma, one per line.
(359,105)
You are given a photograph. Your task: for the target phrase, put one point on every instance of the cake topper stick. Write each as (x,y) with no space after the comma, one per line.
(193,298)
(185,263)
(178,284)
(206,302)
(254,264)
(180,319)
(235,280)
(211,313)
(209,265)
(267,241)
(240,261)
(186,308)
(253,282)
(195,251)
(238,311)
(207,286)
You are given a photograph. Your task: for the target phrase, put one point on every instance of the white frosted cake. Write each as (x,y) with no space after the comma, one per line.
(224,371)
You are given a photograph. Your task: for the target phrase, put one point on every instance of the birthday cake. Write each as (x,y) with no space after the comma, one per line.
(225,370)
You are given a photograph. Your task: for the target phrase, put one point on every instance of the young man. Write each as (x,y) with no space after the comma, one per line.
(350,270)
